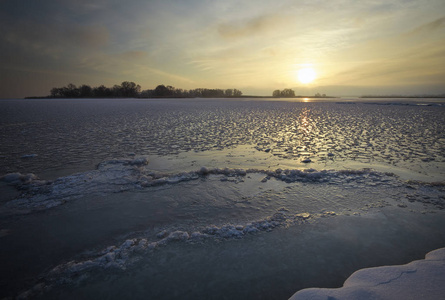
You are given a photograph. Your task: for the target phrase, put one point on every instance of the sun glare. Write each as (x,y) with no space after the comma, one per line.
(306,75)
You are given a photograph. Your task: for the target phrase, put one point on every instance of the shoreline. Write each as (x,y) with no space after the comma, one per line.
(182,97)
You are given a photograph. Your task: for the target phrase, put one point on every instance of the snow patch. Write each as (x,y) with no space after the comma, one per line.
(421,279)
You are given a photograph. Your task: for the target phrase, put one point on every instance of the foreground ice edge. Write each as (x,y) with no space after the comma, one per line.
(116,176)
(128,253)
(130,174)
(420,279)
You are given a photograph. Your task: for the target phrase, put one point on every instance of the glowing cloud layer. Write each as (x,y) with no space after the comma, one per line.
(354,47)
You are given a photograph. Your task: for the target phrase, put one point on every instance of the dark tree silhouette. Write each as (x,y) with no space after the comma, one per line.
(85,91)
(126,89)
(102,92)
(162,91)
(287,93)
(237,93)
(130,89)
(284,93)
(276,93)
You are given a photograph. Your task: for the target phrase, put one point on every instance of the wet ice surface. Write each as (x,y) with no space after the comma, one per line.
(272,265)
(45,135)
(168,198)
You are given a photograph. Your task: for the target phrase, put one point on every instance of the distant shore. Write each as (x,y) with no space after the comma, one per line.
(401,96)
(179,97)
(242,96)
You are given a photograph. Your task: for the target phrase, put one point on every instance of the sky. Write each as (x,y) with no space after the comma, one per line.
(355,47)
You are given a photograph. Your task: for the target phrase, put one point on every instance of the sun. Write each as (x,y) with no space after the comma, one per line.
(306,75)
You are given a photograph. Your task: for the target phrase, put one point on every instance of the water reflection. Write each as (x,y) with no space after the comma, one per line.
(292,130)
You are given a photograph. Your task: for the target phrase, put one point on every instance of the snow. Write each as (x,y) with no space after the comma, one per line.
(421,279)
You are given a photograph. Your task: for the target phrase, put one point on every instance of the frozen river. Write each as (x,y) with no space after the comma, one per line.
(211,198)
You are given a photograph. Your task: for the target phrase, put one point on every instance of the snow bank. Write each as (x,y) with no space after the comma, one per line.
(420,279)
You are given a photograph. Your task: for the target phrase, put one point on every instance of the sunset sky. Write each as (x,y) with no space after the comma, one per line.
(354,47)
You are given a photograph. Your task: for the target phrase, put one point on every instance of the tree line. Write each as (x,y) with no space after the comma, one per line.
(125,89)
(284,93)
(129,89)
(289,93)
(170,91)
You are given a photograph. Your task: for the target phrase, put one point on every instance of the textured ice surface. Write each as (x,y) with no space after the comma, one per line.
(174,192)
(421,279)
(81,133)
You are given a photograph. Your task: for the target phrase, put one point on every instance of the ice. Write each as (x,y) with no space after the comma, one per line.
(118,175)
(176,236)
(295,256)
(18,178)
(421,279)
(126,254)
(123,255)
(332,134)
(26,156)
(203,171)
(303,216)
(264,197)
(138,161)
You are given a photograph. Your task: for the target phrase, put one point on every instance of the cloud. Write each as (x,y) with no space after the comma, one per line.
(255,26)
(229,42)
(169,76)
(404,57)
(40,39)
(134,55)
(84,36)
(415,65)
(428,27)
